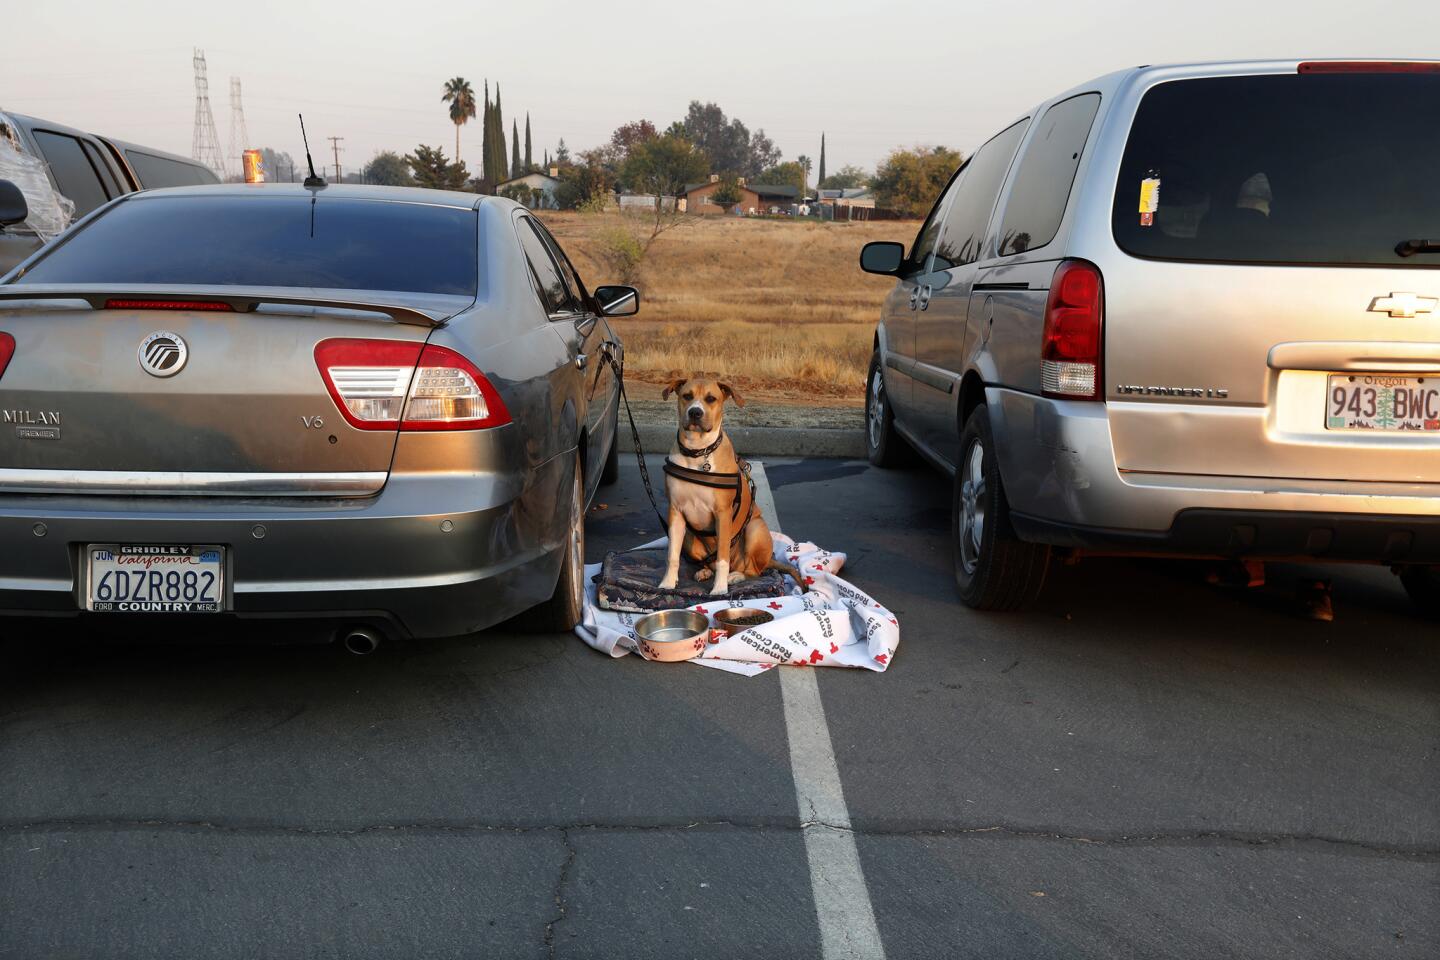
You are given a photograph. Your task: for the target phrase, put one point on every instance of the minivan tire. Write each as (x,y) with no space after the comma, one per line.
(994,569)
(883,445)
(1423,586)
(566,605)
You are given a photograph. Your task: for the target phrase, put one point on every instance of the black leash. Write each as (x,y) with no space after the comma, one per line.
(609,357)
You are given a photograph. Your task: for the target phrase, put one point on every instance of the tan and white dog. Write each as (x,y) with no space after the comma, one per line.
(713,518)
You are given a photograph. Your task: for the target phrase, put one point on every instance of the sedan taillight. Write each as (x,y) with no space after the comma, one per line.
(1071,342)
(7,350)
(385,384)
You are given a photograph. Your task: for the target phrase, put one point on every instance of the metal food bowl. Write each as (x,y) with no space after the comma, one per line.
(735,619)
(672,635)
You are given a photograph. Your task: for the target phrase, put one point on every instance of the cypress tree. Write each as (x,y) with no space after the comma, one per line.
(821,182)
(485,168)
(529,157)
(515,170)
(499,156)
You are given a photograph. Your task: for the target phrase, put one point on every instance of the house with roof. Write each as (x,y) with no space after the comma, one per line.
(849,197)
(754,197)
(535,190)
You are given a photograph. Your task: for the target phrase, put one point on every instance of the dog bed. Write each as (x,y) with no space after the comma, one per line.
(630,582)
(835,624)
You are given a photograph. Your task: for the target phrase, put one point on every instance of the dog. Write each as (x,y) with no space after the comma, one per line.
(713,518)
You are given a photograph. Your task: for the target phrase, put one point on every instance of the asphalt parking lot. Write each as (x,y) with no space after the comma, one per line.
(1143,766)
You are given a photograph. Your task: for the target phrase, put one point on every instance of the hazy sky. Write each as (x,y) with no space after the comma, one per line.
(872,75)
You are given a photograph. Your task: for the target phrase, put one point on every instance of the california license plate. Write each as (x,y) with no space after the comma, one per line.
(154,578)
(1372,401)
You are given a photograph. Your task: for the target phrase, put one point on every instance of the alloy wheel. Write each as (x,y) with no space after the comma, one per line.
(972,505)
(876,419)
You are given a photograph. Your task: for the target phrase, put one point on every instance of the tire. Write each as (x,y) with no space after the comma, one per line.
(994,569)
(883,445)
(1423,586)
(611,471)
(563,610)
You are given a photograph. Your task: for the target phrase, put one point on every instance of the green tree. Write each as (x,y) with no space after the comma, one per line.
(515,170)
(820,176)
(430,169)
(805,166)
(498,161)
(461,97)
(729,144)
(910,180)
(562,153)
(529,157)
(663,166)
(389,169)
(848,177)
(278,167)
(727,194)
(587,183)
(788,174)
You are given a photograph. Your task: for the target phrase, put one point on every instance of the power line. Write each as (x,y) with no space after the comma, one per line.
(205,142)
(239,135)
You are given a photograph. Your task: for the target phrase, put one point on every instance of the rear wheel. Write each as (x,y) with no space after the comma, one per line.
(563,610)
(994,569)
(1423,585)
(883,445)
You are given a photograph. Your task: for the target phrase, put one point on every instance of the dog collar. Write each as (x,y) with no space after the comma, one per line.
(680,442)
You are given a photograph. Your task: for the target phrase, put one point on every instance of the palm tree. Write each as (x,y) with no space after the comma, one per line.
(461,97)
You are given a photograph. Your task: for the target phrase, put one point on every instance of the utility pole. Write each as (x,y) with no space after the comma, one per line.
(335,145)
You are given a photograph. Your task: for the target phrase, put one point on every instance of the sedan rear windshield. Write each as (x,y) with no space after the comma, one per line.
(250,240)
(1306,169)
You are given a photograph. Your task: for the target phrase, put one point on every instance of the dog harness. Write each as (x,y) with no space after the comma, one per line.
(740,481)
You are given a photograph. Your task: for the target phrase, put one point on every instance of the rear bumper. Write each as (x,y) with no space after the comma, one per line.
(1058,467)
(434,555)
(1256,534)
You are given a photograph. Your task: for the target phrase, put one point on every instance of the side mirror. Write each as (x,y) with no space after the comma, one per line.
(13,208)
(618,301)
(882,257)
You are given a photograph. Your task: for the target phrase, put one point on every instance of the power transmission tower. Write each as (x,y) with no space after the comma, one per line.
(239,135)
(335,145)
(205,144)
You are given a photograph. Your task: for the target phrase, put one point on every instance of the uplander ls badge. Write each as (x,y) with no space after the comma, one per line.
(1203,393)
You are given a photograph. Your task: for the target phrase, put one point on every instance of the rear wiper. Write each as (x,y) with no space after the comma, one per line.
(1408,248)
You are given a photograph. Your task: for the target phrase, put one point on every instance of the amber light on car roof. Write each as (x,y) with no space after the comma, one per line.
(115,303)
(1369,66)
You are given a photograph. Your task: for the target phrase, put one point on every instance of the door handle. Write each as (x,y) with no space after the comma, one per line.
(924,296)
(580,361)
(914,297)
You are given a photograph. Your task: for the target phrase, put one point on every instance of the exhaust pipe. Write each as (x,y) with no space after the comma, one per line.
(360,640)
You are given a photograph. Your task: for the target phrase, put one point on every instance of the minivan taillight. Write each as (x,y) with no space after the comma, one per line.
(7,350)
(1071,342)
(385,384)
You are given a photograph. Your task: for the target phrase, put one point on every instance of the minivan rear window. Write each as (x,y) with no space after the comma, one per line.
(1287,169)
(277,241)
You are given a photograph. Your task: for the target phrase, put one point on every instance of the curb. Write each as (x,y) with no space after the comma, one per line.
(753,442)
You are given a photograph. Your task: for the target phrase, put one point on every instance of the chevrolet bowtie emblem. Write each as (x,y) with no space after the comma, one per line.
(1403,304)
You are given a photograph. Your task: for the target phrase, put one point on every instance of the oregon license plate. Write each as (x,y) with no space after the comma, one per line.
(155,578)
(1373,401)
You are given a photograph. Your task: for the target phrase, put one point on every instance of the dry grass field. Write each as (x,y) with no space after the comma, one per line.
(779,306)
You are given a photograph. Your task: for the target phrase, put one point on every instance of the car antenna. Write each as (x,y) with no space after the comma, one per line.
(313,180)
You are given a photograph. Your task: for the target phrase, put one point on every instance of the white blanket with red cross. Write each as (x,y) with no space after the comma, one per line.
(835,624)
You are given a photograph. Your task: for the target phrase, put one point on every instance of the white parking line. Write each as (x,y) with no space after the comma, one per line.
(842,900)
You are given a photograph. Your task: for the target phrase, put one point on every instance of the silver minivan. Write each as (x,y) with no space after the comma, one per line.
(1181,310)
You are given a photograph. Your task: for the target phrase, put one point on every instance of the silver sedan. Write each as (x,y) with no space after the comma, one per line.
(382,409)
